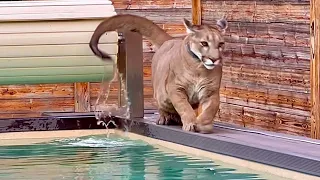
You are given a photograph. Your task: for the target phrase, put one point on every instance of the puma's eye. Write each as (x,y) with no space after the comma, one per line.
(221,44)
(204,44)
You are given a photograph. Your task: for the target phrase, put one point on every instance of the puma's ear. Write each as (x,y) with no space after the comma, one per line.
(223,24)
(188,26)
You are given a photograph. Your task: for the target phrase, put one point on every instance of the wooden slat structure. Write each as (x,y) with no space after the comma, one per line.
(266,75)
(266,83)
(315,68)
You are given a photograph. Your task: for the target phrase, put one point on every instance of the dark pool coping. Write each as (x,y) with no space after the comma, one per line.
(280,151)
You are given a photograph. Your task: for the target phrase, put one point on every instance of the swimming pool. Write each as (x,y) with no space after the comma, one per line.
(110,157)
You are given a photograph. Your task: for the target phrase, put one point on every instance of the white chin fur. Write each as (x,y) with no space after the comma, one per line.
(209,64)
(208,67)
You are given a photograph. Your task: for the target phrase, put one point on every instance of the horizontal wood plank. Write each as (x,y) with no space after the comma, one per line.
(263,119)
(271,77)
(36,91)
(160,15)
(148,104)
(267,97)
(95,90)
(286,64)
(19,115)
(256,11)
(267,51)
(37,105)
(151,4)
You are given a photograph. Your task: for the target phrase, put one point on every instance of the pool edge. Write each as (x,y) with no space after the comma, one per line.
(143,127)
(44,136)
(223,158)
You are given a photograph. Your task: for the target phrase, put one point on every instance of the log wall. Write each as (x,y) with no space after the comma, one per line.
(266,82)
(315,67)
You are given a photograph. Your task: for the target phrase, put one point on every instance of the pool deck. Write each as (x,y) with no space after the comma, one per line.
(293,153)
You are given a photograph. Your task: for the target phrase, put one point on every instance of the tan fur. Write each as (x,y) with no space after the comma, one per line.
(186,74)
(126,22)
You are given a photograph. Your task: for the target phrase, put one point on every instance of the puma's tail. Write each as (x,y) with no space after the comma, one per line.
(125,23)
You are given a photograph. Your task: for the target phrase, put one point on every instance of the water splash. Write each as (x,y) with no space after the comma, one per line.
(112,141)
(106,112)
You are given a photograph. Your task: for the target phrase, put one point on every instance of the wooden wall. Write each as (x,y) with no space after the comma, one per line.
(266,82)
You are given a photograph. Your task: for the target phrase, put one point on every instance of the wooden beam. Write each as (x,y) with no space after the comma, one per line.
(196,12)
(82,97)
(315,67)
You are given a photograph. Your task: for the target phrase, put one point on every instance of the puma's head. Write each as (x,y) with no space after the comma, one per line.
(206,42)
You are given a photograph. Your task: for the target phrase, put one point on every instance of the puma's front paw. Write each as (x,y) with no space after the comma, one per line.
(188,122)
(204,126)
(188,127)
(204,129)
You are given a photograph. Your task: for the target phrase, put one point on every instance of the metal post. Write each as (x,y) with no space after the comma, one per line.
(121,64)
(132,50)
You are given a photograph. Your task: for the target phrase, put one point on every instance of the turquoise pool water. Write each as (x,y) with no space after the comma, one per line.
(114,157)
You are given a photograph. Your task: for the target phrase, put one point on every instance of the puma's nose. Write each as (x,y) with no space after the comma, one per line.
(214,59)
(211,61)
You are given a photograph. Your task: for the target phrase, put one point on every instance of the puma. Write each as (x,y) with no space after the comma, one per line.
(186,73)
